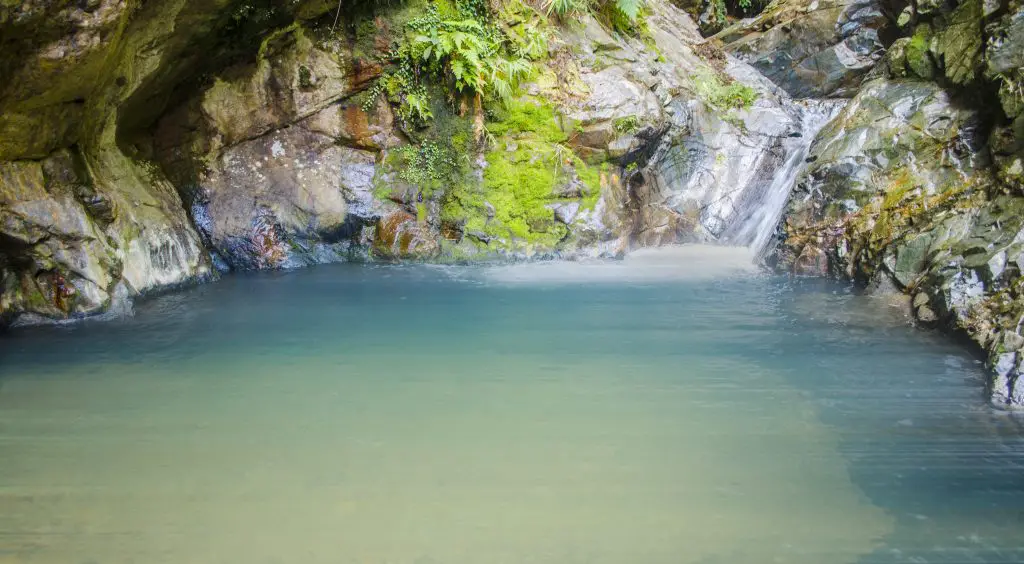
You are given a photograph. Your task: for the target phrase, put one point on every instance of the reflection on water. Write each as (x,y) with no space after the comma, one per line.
(424,415)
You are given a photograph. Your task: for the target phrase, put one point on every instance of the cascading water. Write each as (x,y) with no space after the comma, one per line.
(761,208)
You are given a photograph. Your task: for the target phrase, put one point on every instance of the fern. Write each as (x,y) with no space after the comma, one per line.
(467,55)
(563,8)
(629,8)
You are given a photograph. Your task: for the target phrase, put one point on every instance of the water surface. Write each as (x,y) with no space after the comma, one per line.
(673,408)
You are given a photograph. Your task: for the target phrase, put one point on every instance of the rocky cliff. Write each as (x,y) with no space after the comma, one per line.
(149,144)
(916,185)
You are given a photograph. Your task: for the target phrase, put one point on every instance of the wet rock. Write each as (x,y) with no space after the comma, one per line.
(922,308)
(911,259)
(566,213)
(959,44)
(270,95)
(67,243)
(400,236)
(302,180)
(895,138)
(78,82)
(902,186)
(813,48)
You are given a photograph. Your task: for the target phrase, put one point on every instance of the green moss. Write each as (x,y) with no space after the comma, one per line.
(590,176)
(510,205)
(305,78)
(272,40)
(519,185)
(899,185)
(35,300)
(526,165)
(526,116)
(527,28)
(447,9)
(919,60)
(715,92)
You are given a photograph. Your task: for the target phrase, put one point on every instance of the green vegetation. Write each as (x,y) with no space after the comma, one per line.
(453,77)
(619,12)
(426,165)
(715,92)
(305,78)
(750,7)
(467,53)
(564,8)
(524,117)
(440,159)
(522,179)
(462,48)
(519,185)
(628,124)
(402,87)
(919,58)
(478,49)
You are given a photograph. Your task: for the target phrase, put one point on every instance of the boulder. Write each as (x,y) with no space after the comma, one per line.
(813,48)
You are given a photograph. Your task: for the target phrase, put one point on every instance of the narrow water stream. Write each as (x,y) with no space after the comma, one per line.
(762,207)
(672,408)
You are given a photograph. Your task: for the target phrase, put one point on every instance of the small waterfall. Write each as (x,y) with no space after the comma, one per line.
(762,208)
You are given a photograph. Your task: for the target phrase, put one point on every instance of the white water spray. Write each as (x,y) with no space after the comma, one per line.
(762,209)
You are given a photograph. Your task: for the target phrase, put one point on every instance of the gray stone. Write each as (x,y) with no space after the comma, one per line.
(822,51)
(566,213)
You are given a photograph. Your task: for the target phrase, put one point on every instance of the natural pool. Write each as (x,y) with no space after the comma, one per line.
(675,408)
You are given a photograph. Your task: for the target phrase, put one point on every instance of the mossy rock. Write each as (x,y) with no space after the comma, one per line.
(959,45)
(918,53)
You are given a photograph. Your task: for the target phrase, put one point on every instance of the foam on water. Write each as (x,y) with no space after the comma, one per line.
(665,264)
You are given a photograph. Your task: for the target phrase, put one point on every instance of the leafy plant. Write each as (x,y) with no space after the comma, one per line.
(748,7)
(623,16)
(471,55)
(457,46)
(630,8)
(563,8)
(526,29)
(627,124)
(427,163)
(402,87)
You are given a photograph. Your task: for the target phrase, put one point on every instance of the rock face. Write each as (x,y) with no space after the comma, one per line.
(81,222)
(143,146)
(269,181)
(315,172)
(915,186)
(694,154)
(149,144)
(813,48)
